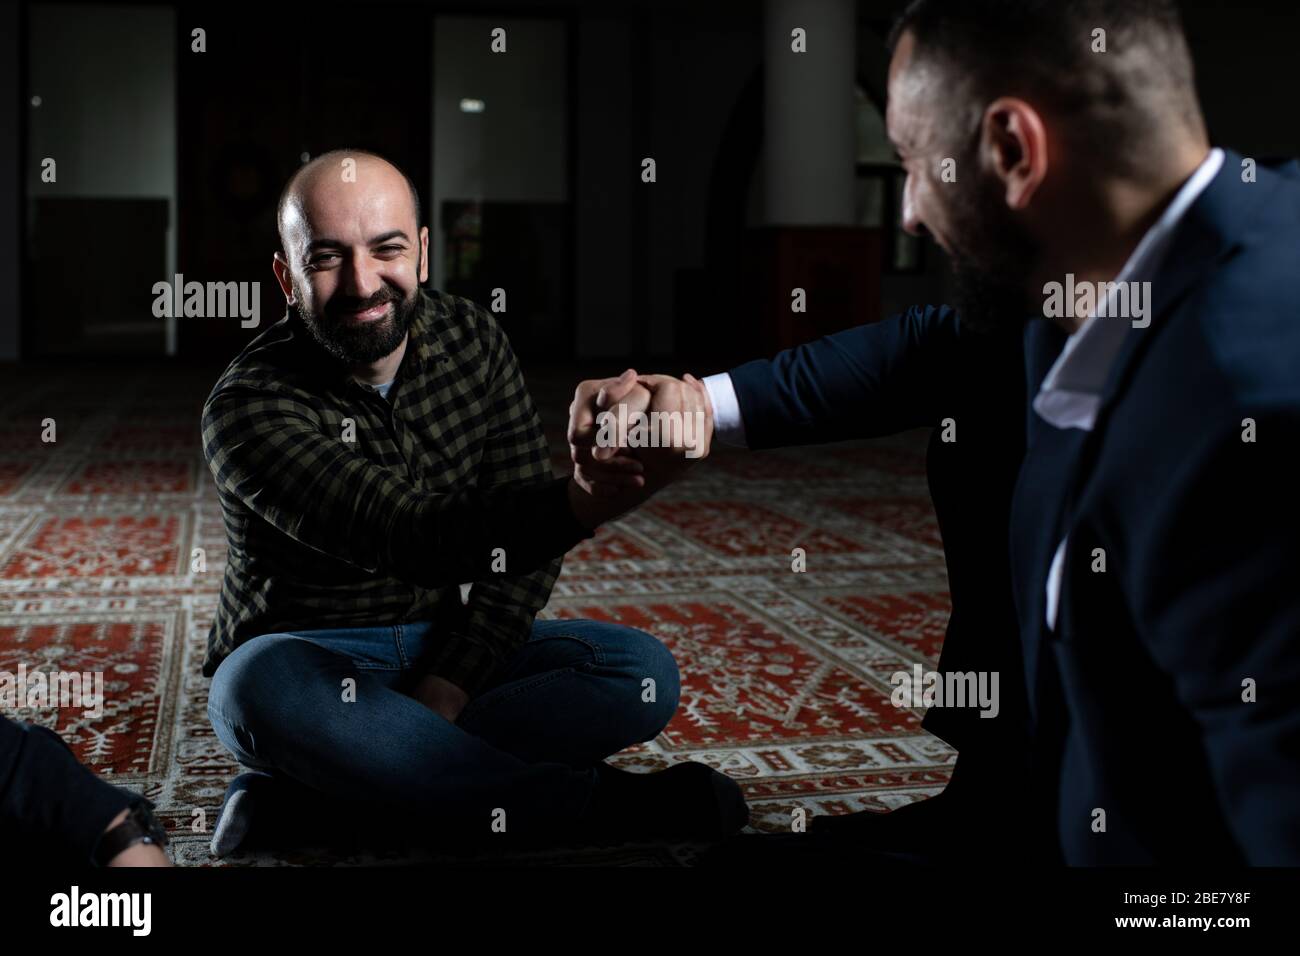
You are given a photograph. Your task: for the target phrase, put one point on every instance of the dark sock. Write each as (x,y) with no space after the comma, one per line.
(269,811)
(918,820)
(688,801)
(959,815)
(238,811)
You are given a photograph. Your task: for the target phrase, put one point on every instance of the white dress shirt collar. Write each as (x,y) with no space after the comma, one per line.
(1070,396)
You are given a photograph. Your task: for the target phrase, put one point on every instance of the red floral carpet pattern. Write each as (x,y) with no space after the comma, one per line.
(112,549)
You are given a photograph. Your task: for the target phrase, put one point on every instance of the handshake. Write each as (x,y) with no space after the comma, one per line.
(632,435)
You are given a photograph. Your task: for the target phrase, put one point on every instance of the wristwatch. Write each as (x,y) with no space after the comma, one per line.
(140,826)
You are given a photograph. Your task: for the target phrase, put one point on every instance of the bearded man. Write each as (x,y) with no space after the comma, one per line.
(1121,541)
(376,451)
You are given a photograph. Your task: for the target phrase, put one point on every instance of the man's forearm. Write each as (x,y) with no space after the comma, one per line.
(45,792)
(457,537)
(497,620)
(591,512)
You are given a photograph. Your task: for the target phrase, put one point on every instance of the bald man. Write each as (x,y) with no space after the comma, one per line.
(375,451)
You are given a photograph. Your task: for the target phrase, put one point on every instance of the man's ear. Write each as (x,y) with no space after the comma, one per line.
(1013,143)
(280,266)
(424,254)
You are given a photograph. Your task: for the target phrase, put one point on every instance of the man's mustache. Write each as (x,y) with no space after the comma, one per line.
(337,306)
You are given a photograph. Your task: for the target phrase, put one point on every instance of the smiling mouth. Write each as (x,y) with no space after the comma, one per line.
(369,315)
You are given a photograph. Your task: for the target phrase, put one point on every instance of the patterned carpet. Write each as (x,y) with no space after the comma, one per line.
(786,675)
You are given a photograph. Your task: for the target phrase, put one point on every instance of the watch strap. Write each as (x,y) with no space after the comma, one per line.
(138,827)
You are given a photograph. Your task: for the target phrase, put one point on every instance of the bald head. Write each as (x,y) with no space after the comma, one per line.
(324,181)
(353,255)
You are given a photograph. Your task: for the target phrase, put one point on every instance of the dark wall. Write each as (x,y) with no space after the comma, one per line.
(663,79)
(1246,72)
(11,180)
(278,81)
(666,82)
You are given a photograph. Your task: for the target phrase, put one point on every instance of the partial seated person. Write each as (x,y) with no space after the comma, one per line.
(373,451)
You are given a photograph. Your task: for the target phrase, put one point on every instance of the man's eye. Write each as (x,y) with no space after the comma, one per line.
(389,250)
(324,259)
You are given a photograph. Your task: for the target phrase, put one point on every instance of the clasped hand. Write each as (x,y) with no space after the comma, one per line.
(609,462)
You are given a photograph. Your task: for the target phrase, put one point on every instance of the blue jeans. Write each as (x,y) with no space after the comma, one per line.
(573,694)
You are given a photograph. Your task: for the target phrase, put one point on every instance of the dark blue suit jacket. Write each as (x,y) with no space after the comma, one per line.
(1134,702)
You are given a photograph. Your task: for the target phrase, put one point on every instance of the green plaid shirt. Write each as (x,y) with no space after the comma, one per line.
(346,509)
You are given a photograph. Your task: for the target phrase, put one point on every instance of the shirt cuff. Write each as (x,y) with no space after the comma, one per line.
(728,426)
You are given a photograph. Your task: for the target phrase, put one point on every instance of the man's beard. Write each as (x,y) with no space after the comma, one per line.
(990,284)
(360,343)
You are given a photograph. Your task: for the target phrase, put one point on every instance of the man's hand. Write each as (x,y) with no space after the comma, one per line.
(632,474)
(441,696)
(689,436)
(603,472)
